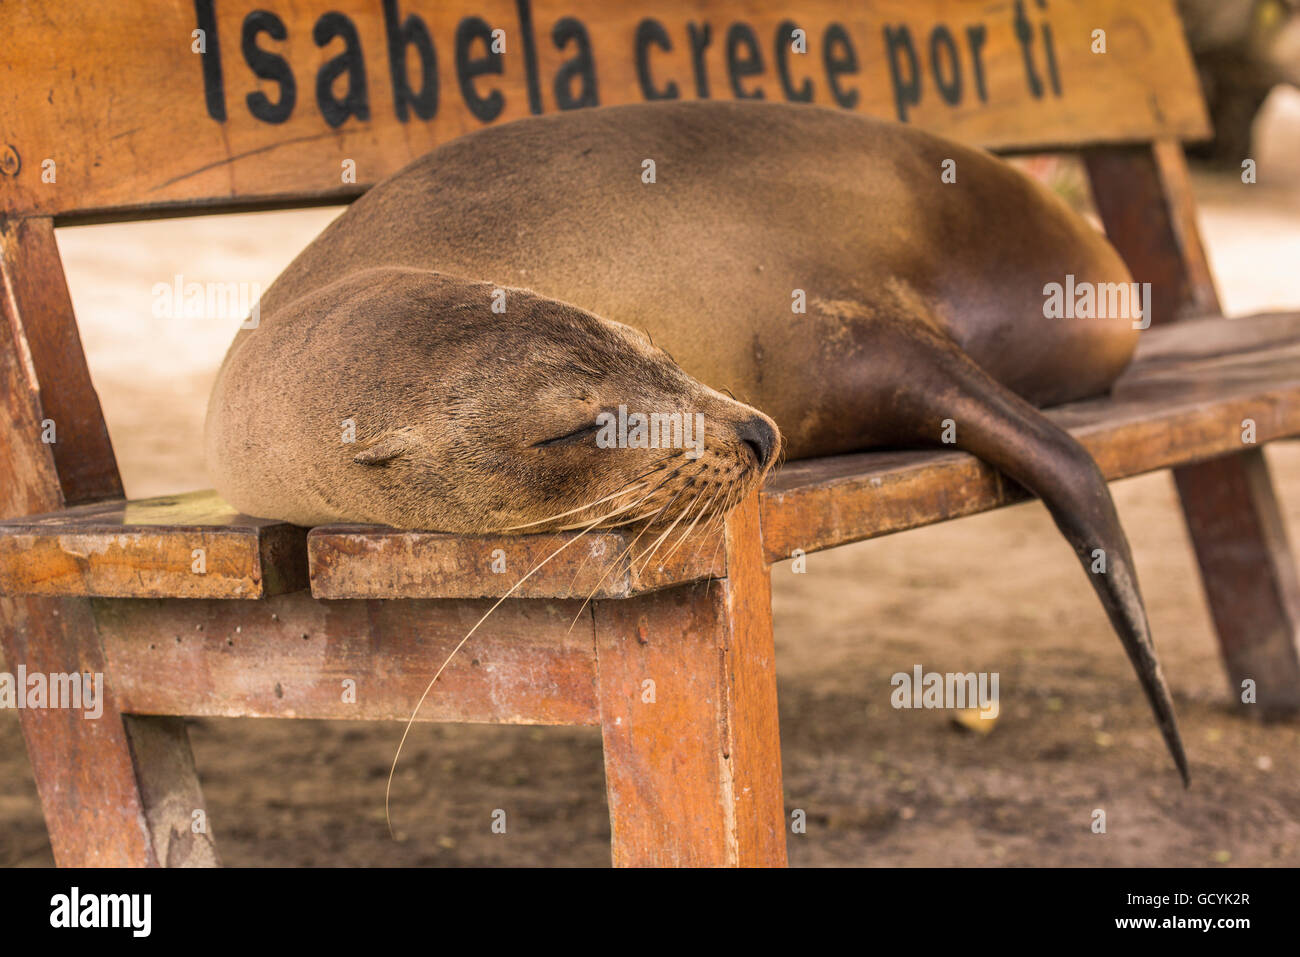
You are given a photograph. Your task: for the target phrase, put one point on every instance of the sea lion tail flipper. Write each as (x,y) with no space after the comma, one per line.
(999,427)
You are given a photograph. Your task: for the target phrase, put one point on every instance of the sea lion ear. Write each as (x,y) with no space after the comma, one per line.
(387,447)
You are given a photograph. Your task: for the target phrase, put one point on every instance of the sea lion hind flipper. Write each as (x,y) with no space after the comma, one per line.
(999,427)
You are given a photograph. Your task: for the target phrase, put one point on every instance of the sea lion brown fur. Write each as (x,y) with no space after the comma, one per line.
(924,311)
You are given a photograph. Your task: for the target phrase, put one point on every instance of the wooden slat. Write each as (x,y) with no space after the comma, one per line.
(753,736)
(362,561)
(182,546)
(688,718)
(293,657)
(1160,245)
(179,824)
(34,288)
(136,123)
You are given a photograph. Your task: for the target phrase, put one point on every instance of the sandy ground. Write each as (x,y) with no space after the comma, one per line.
(997,592)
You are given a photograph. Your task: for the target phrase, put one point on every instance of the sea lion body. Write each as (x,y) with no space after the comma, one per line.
(926,317)
(750,203)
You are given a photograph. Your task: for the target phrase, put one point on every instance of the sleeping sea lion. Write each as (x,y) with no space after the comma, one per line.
(484,318)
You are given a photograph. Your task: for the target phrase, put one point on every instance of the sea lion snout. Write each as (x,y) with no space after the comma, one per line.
(646,442)
(760,435)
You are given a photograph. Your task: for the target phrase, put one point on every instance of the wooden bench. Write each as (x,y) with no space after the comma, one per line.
(191,609)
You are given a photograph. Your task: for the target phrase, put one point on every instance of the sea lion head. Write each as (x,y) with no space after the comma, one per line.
(543,416)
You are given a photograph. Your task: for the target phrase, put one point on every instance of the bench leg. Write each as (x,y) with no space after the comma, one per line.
(687,687)
(1144,197)
(117,790)
(1249,576)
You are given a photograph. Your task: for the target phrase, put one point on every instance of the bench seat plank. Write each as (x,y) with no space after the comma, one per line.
(365,561)
(1184,400)
(180,546)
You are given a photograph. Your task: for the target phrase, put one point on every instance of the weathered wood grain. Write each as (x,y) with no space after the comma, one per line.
(70,428)
(752,728)
(361,561)
(181,546)
(1249,576)
(1144,197)
(687,688)
(296,657)
(179,826)
(136,123)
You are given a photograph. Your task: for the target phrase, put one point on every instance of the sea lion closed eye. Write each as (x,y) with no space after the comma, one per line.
(478,315)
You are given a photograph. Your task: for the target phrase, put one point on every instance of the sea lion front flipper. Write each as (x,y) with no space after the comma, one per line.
(940,382)
(386,447)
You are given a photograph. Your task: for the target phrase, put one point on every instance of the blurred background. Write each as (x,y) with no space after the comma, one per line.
(880,787)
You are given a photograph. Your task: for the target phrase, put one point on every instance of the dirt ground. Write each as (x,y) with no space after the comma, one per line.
(997,592)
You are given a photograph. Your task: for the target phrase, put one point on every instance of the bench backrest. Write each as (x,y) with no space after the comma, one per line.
(116,111)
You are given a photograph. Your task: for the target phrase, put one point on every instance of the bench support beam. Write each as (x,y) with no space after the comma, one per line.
(687,685)
(1248,574)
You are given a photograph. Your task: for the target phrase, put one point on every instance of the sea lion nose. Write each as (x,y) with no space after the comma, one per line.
(760,437)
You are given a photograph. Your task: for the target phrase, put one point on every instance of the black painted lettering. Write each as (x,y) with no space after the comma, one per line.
(744,59)
(268,66)
(581,67)
(350,61)
(214,90)
(1025,34)
(469,67)
(784,44)
(975,37)
(525,11)
(700,36)
(652,33)
(1050,49)
(944,47)
(840,59)
(402,35)
(907,92)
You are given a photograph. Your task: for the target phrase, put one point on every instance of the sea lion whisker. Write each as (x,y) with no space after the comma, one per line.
(633,519)
(621,490)
(635,504)
(714,520)
(729,505)
(654,510)
(654,547)
(684,515)
(686,534)
(622,554)
(388,790)
(610,514)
